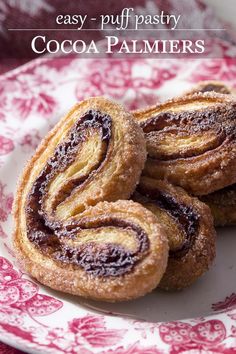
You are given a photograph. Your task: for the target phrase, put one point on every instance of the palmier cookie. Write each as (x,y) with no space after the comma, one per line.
(189,227)
(71,233)
(211,86)
(191,141)
(222,202)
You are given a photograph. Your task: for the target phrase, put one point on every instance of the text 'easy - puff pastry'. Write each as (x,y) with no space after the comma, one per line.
(191,141)
(72,232)
(189,227)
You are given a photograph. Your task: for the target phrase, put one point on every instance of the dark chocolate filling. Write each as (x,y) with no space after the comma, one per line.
(215,88)
(105,259)
(48,235)
(184,214)
(220,119)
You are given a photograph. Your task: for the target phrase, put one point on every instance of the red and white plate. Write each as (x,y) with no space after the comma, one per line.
(38,320)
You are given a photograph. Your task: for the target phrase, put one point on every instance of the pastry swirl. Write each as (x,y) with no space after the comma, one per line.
(71,231)
(191,141)
(223,202)
(189,227)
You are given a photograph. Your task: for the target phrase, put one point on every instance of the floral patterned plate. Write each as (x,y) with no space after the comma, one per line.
(39,320)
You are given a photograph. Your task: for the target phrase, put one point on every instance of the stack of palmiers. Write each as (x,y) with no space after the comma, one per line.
(222,202)
(87,222)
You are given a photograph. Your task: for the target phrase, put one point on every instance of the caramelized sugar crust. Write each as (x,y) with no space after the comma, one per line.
(189,227)
(191,141)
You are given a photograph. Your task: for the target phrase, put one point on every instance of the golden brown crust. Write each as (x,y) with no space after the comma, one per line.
(77,282)
(191,141)
(67,234)
(189,227)
(223,202)
(223,205)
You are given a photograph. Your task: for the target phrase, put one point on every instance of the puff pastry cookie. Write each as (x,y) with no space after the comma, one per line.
(71,231)
(191,141)
(222,202)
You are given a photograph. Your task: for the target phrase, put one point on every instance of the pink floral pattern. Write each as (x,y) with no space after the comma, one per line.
(2,233)
(30,141)
(6,201)
(20,299)
(6,145)
(204,336)
(22,6)
(36,95)
(93,329)
(228,303)
(224,70)
(112,76)
(22,294)
(136,348)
